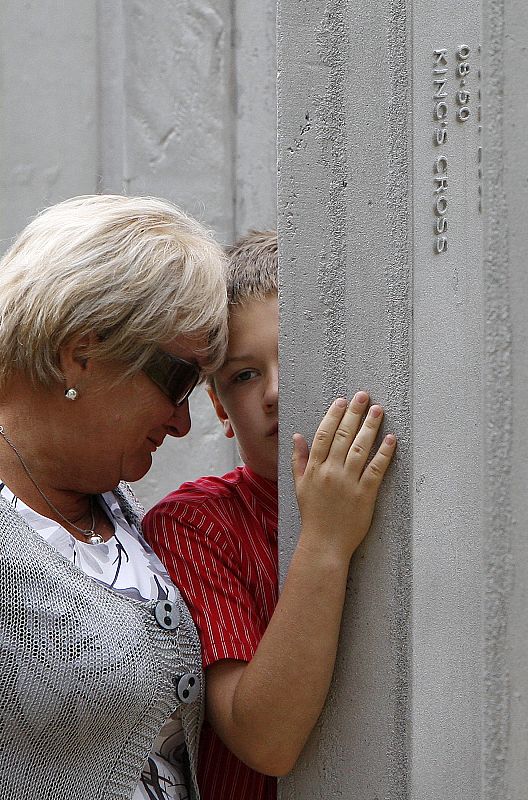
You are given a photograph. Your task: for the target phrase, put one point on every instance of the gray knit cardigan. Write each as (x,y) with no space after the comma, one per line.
(87,676)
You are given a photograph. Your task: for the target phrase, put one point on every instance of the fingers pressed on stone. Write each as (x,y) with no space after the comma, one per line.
(325,433)
(349,425)
(360,448)
(375,471)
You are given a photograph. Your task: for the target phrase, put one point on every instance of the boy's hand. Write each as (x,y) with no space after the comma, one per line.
(336,488)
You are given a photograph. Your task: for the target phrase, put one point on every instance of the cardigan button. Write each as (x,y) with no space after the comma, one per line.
(187,687)
(167,615)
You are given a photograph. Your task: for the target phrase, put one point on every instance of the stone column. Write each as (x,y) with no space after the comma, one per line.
(255,115)
(402,176)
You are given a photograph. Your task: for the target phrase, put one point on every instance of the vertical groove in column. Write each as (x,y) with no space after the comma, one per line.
(498,390)
(111,59)
(254,71)
(233,96)
(398,275)
(331,132)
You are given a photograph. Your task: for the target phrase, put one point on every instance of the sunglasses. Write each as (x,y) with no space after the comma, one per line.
(174,376)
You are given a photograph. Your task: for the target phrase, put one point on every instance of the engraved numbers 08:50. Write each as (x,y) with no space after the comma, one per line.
(462,96)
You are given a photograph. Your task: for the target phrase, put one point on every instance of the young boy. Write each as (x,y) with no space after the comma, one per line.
(268,664)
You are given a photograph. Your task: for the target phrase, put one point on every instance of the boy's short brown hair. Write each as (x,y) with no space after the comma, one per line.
(252,266)
(251,270)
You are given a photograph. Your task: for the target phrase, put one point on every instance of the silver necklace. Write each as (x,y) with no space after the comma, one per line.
(89,533)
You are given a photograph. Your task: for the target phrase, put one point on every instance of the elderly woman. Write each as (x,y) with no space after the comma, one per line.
(111,309)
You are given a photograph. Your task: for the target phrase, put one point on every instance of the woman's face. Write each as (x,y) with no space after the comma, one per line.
(122,423)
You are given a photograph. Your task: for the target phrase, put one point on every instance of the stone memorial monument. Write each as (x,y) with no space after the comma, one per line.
(403,183)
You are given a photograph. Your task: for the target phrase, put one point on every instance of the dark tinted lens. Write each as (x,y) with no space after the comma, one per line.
(175,377)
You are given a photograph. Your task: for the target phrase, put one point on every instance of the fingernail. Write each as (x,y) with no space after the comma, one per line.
(361,397)
(390,439)
(341,402)
(375,411)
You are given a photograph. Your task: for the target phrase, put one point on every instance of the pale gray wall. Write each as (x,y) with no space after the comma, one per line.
(429,699)
(48,106)
(158,97)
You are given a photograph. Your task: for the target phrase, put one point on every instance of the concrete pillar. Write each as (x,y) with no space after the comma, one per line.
(402,189)
(255,114)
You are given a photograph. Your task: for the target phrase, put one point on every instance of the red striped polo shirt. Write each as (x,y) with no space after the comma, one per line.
(218,540)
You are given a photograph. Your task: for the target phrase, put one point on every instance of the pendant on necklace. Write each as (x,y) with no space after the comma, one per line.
(95,538)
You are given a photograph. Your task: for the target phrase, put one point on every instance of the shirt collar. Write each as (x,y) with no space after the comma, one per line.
(264,490)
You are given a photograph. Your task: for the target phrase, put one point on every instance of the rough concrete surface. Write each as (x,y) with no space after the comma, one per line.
(515,187)
(505,116)
(255,114)
(402,263)
(48,107)
(345,325)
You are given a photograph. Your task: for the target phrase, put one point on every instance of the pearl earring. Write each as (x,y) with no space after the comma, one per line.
(71,394)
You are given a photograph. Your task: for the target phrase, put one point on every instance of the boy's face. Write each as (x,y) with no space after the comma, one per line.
(245,394)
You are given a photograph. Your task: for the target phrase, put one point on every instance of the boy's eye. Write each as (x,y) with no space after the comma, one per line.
(245,375)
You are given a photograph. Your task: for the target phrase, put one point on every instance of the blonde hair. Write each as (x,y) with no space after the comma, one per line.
(252,266)
(137,271)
